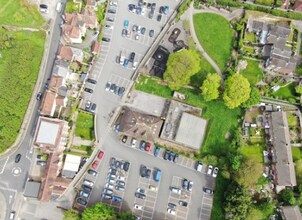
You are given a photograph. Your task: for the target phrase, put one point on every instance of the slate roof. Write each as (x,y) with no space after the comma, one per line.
(291,213)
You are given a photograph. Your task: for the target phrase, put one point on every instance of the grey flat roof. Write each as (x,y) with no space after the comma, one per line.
(191,130)
(32,189)
(48,132)
(291,212)
(285,167)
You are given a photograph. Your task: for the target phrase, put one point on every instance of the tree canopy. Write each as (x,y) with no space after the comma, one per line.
(237,91)
(210,87)
(180,67)
(99,211)
(298,89)
(249,172)
(71,214)
(254,99)
(237,202)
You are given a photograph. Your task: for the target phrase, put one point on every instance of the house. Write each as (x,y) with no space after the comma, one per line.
(70,54)
(291,213)
(71,166)
(89,18)
(91,4)
(61,68)
(95,48)
(54,98)
(51,138)
(298,6)
(284,167)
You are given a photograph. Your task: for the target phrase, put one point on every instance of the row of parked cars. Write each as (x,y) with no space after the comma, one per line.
(117,90)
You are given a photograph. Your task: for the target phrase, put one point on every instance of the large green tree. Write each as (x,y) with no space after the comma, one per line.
(99,211)
(254,99)
(210,87)
(125,216)
(237,202)
(180,67)
(287,197)
(237,90)
(71,214)
(249,172)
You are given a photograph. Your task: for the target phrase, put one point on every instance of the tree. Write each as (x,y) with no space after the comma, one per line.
(125,216)
(180,67)
(237,202)
(71,214)
(210,87)
(254,99)
(99,212)
(237,90)
(287,196)
(254,214)
(235,162)
(249,172)
(298,89)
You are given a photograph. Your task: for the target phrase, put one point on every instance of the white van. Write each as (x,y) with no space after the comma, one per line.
(88,183)
(59,7)
(175,190)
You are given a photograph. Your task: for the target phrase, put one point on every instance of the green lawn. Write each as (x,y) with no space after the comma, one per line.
(298,168)
(292,120)
(253,151)
(20,13)
(19,68)
(252,72)
(215,35)
(221,120)
(85,126)
(249,36)
(296,152)
(286,92)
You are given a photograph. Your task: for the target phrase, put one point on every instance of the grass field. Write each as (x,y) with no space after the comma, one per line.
(214,34)
(20,13)
(252,72)
(298,168)
(85,126)
(19,68)
(253,151)
(286,92)
(221,120)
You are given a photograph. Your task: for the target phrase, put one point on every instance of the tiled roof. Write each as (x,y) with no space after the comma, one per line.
(65,53)
(95,48)
(48,103)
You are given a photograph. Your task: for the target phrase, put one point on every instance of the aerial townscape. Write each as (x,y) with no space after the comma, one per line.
(151,110)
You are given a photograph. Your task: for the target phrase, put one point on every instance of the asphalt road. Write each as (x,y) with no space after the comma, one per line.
(13,175)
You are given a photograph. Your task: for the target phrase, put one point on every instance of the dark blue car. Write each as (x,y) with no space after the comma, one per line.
(156,151)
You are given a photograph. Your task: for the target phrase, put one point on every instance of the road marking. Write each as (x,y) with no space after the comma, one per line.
(4,165)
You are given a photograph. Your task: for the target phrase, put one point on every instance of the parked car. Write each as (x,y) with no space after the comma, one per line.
(166,154)
(88,183)
(190,186)
(126,62)
(151,14)
(88,90)
(12,215)
(91,81)
(112,11)
(110,19)
(81,201)
(133,143)
(84,194)
(126,166)
(148,147)
(199,166)
(112,87)
(39,96)
(175,158)
(43,8)
(159,17)
(120,183)
(116,199)
(175,190)
(106,39)
(142,145)
(107,87)
(124,33)
(106,196)
(132,7)
(185,183)
(208,190)
(171,211)
(92,172)
(153,6)
(140,196)
(134,28)
(39,157)
(132,56)
(121,178)
(87,189)
(109,27)
(134,65)
(143,171)
(156,151)
(183,203)
(143,30)
(101,154)
(210,169)
(108,191)
(171,205)
(18,158)
(93,108)
(215,171)
(151,33)
(137,206)
(95,164)
(153,188)
(41,163)
(124,138)
(88,105)
(120,188)
(109,186)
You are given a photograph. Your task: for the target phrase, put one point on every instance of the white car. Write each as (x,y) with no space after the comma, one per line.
(134,65)
(153,188)
(171,211)
(133,143)
(215,172)
(107,26)
(107,87)
(109,186)
(137,206)
(121,178)
(112,3)
(88,183)
(210,169)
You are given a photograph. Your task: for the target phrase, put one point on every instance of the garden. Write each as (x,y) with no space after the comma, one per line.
(21,54)
(252,71)
(20,13)
(85,126)
(215,36)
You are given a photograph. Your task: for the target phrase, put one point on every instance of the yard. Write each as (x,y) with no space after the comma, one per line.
(19,67)
(20,13)
(298,168)
(221,121)
(85,126)
(252,71)
(253,151)
(215,35)
(286,92)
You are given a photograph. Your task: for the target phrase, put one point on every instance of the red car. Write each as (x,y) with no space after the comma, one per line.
(101,154)
(95,164)
(148,147)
